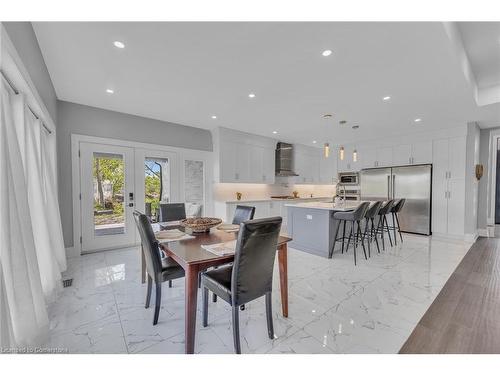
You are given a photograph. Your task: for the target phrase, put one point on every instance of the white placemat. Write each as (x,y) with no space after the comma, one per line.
(221,249)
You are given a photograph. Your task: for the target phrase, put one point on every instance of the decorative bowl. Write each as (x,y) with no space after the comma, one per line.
(200,224)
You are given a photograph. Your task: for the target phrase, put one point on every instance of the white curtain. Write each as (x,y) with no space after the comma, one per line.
(40,213)
(52,202)
(23,312)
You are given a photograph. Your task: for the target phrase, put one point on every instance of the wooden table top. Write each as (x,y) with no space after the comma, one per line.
(190,250)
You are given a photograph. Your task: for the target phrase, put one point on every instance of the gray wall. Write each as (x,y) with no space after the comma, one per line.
(79,119)
(24,39)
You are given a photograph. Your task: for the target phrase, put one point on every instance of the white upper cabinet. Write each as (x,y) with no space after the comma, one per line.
(243,158)
(421,152)
(414,153)
(306,165)
(227,165)
(402,155)
(346,164)
(328,168)
(367,157)
(384,157)
(457,146)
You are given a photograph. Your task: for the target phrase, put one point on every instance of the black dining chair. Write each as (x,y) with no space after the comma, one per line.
(241,214)
(251,274)
(395,210)
(159,269)
(172,212)
(354,217)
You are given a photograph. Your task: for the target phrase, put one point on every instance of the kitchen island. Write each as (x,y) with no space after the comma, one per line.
(312,227)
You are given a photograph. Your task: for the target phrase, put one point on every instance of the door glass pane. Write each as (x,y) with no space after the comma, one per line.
(157,185)
(108,176)
(194,187)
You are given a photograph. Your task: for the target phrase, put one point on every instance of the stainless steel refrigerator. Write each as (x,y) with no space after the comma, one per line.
(412,182)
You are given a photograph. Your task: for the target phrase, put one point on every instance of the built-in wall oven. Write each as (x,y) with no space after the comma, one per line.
(349,178)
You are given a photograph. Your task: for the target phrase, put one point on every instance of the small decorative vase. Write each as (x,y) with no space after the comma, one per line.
(238,196)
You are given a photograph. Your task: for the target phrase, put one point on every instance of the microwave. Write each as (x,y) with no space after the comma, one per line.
(348,178)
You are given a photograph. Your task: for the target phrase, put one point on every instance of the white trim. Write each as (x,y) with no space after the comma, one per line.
(471,237)
(492,176)
(482,232)
(182,153)
(468,237)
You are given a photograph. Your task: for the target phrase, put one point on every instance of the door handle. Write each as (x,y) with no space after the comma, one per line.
(393,186)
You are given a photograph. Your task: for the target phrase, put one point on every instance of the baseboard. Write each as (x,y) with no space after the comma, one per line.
(483,232)
(72,252)
(469,237)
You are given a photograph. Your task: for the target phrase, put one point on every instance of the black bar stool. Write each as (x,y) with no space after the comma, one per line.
(354,217)
(395,210)
(370,230)
(383,226)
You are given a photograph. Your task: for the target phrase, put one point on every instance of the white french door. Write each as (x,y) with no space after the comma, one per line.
(107,178)
(156,179)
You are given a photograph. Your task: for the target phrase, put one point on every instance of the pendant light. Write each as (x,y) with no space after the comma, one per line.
(355,155)
(326,150)
(341,152)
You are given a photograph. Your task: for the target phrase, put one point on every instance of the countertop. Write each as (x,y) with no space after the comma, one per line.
(348,206)
(277,200)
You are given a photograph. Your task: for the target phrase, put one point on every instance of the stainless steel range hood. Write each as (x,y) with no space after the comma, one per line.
(284,160)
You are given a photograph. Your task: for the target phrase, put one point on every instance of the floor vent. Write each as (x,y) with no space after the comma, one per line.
(67,283)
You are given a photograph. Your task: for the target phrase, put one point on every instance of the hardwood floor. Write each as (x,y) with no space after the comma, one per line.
(465,316)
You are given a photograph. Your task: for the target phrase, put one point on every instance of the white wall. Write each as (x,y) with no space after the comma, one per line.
(79,119)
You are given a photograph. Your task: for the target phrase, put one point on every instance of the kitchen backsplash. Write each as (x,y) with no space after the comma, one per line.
(227,192)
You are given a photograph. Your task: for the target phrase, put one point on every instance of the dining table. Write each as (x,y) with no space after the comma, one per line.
(194,259)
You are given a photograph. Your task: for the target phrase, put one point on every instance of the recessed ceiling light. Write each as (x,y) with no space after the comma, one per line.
(314,141)
(418,120)
(275,132)
(355,126)
(119,44)
(386,98)
(251,95)
(342,122)
(326,52)
(327,115)
(214,117)
(110,91)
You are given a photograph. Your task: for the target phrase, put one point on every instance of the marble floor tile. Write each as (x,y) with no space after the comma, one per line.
(334,306)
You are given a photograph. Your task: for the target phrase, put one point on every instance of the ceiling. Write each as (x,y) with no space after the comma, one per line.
(188,72)
(482,43)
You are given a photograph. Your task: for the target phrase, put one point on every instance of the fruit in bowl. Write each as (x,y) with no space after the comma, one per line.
(200,224)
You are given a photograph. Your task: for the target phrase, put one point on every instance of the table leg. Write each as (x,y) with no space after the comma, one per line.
(143,266)
(190,308)
(283,269)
